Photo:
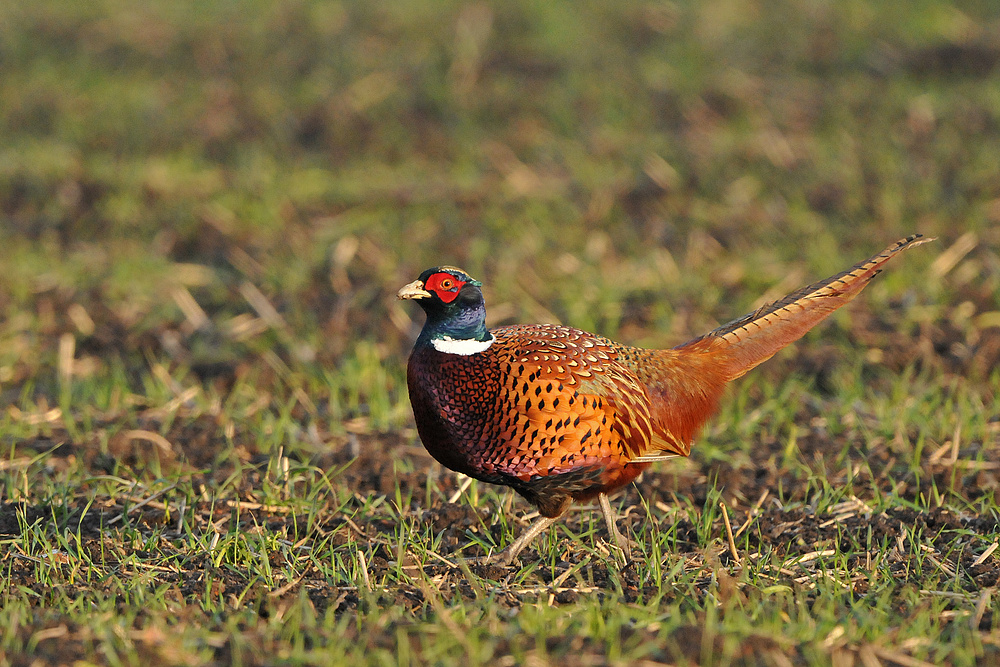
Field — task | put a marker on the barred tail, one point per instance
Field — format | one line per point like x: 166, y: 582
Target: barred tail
x: 750, y: 340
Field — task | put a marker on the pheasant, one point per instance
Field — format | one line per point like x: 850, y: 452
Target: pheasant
x: 561, y: 415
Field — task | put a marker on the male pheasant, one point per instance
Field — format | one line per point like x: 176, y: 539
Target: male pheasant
x: 559, y: 414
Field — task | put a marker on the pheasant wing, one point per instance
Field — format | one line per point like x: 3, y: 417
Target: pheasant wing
x: 572, y: 405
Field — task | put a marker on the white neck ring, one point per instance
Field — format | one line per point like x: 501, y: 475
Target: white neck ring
x: 449, y: 345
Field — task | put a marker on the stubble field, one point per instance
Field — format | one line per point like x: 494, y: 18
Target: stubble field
x: 206, y: 449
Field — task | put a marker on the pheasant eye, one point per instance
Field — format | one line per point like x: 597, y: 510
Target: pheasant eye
x: 446, y: 286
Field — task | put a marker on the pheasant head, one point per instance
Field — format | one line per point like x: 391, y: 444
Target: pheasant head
x: 456, y: 312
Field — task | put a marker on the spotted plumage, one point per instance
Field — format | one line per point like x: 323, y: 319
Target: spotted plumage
x: 561, y: 415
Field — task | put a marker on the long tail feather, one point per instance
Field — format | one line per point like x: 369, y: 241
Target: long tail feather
x: 750, y: 340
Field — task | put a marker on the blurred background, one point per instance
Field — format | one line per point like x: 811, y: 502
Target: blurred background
x: 210, y: 206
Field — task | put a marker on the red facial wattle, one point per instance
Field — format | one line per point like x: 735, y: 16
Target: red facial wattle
x: 445, y: 285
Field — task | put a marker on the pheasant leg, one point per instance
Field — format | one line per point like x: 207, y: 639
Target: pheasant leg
x: 620, y: 540
x: 508, y: 555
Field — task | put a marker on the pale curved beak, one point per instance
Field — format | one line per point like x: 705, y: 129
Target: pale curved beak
x: 414, y: 290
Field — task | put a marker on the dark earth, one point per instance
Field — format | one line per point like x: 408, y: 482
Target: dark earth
x: 776, y: 528
x: 771, y: 507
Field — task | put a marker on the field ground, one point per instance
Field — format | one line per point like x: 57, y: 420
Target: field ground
x: 206, y: 450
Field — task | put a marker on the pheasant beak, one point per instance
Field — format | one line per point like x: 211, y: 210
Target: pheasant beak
x: 414, y: 290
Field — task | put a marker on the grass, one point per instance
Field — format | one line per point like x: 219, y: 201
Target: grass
x: 206, y: 452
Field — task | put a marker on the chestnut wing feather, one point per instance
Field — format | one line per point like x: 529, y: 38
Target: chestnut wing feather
x: 572, y: 404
